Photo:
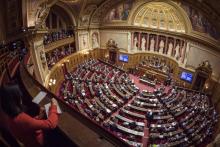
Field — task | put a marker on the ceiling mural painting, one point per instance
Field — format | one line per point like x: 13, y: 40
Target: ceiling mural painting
x: 100, y: 13
x: 120, y: 12
x: 199, y: 22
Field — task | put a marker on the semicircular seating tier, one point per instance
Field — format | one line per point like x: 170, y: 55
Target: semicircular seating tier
x: 168, y: 116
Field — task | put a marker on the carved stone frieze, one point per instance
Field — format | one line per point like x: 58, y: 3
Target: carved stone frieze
x: 103, y: 9
x: 38, y: 11
x: 205, y: 66
x: 111, y: 44
x: 86, y: 15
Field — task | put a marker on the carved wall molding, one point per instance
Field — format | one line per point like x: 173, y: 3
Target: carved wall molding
x: 59, y: 43
x: 37, y: 11
x: 84, y: 19
x: 72, y: 13
x: 198, y: 54
x: 103, y: 9
x: 211, y: 44
x: 191, y: 35
x: 175, y: 5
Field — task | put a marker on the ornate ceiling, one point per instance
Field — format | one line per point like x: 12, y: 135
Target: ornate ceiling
x: 155, y: 14
x: 159, y: 15
x: 212, y: 4
x: 211, y: 7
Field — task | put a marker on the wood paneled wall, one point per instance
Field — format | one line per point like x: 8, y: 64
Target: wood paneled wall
x: 71, y: 63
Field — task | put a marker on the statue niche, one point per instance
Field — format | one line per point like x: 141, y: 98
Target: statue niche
x: 113, y: 50
x: 202, y: 75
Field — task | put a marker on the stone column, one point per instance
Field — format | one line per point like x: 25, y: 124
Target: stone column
x: 132, y: 41
x: 187, y: 49
x: 38, y: 56
x: 139, y: 41
x: 76, y: 40
x: 129, y: 42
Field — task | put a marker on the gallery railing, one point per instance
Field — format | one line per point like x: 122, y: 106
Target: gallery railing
x: 33, y: 87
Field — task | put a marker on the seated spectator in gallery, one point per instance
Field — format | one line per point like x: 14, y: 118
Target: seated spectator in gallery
x: 26, y: 129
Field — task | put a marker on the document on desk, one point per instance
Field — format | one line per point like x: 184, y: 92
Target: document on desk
x: 39, y: 97
x: 47, y: 106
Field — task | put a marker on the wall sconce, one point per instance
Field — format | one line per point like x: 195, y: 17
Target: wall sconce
x: 52, y: 82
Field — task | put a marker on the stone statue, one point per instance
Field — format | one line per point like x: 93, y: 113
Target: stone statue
x: 170, y: 49
x: 83, y: 42
x: 95, y: 43
x: 135, y: 43
x: 143, y: 43
x: 182, y: 54
x: 161, y: 46
x: 152, y: 44
x: 177, y: 53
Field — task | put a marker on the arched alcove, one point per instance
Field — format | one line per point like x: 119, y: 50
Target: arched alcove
x: 160, y: 15
x: 59, y: 18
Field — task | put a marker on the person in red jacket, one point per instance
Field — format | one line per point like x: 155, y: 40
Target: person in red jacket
x: 26, y: 129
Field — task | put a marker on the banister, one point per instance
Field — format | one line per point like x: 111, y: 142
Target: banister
x: 66, y: 108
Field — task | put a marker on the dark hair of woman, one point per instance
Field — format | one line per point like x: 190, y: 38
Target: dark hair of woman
x: 11, y: 102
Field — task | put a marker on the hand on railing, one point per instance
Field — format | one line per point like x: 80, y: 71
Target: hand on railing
x: 54, y: 102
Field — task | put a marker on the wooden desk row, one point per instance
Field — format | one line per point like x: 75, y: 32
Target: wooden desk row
x: 130, y: 131
x: 149, y: 83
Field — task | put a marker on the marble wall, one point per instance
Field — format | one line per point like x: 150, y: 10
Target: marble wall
x: 187, y: 53
x: 120, y: 37
x: 88, y: 39
x: 94, y: 39
x: 198, y: 53
x: 83, y: 38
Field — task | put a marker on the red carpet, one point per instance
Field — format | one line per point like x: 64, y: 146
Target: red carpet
x: 142, y: 86
x: 146, y: 135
